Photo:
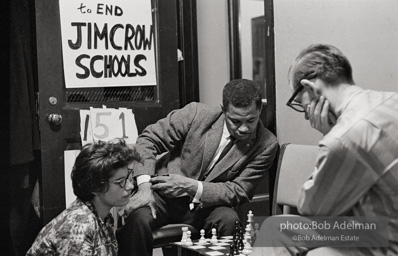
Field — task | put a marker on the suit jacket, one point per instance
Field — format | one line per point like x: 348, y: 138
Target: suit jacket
x: 189, y: 138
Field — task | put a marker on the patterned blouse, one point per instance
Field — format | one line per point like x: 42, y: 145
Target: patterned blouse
x: 78, y: 230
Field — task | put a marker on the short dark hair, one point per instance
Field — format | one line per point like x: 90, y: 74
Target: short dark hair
x: 241, y: 93
x: 96, y: 163
x: 323, y: 61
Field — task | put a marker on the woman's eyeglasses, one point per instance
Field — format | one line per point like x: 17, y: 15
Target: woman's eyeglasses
x: 123, y: 181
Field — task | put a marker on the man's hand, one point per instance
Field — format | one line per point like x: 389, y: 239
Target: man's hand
x: 174, y: 185
x: 319, y: 115
x: 143, y: 197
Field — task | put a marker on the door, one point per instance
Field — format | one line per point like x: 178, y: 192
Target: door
x: 59, y: 107
x: 252, y: 56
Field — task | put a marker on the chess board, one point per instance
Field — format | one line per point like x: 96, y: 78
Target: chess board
x: 212, y: 249
x: 222, y: 246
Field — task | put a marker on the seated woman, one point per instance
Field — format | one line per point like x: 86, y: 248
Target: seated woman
x: 101, y: 179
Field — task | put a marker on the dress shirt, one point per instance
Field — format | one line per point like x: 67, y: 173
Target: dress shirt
x: 357, y: 166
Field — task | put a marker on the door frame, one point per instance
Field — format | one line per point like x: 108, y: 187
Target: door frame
x: 269, y: 115
x: 236, y: 59
x: 175, y: 14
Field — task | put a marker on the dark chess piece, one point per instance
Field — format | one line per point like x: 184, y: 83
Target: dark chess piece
x: 241, y: 245
x: 216, y: 227
x: 236, y: 233
x: 231, y: 250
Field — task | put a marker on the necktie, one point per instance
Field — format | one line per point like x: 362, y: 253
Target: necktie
x: 223, y: 153
x: 226, y: 149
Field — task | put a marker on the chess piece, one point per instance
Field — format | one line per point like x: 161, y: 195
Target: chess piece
x: 247, y: 250
x: 188, y: 241
x: 231, y: 250
x: 248, y: 236
x: 214, y: 239
x: 250, y: 221
x: 236, y: 233
x: 202, y: 240
x: 241, y: 244
x: 256, y: 231
x: 184, y: 234
x: 236, y: 247
x: 216, y: 227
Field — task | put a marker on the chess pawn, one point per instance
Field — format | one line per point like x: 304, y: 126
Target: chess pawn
x: 188, y: 241
x: 202, y: 240
x: 256, y: 231
x: 247, y: 250
x: 184, y: 234
x: 214, y: 239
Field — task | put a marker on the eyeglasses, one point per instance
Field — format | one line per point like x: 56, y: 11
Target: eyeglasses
x: 294, y: 105
x: 123, y: 181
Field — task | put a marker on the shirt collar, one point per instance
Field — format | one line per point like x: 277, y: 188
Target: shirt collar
x: 225, y: 132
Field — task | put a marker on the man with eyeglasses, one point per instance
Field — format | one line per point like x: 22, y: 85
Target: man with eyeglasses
x: 356, y: 173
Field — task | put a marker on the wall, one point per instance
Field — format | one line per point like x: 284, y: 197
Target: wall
x: 365, y: 30
x: 249, y: 9
x: 213, y: 49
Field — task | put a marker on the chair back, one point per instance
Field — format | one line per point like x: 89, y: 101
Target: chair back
x: 295, y: 164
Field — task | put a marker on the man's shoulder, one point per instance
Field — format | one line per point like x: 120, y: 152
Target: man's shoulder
x: 203, y: 112
x: 202, y: 107
x: 265, y: 136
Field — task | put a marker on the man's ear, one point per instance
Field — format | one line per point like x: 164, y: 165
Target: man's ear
x: 311, y: 85
x: 223, y: 109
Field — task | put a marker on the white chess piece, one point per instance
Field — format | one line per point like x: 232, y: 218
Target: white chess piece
x: 184, y: 234
x: 248, y: 236
x: 188, y: 241
x: 214, y: 239
x: 256, y: 229
x: 250, y: 221
x: 202, y: 239
x: 247, y: 250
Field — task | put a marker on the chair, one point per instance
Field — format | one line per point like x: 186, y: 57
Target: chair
x: 295, y: 164
x: 163, y: 236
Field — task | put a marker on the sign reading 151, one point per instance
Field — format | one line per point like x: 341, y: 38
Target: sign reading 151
x: 106, y: 123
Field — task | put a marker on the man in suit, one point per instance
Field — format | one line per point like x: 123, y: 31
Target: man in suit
x: 196, y: 182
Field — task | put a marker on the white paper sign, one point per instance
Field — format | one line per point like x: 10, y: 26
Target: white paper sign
x: 69, y: 160
x: 107, y: 43
x: 106, y: 124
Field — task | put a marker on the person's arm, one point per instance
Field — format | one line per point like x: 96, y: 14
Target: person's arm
x: 163, y: 136
x: 337, y: 184
x: 156, y: 139
x: 241, y: 187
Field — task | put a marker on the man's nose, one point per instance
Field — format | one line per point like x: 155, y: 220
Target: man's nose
x: 243, y: 128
